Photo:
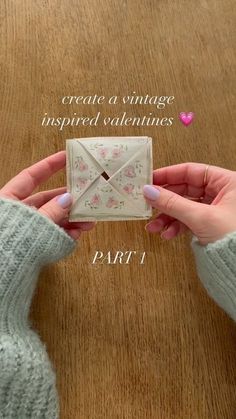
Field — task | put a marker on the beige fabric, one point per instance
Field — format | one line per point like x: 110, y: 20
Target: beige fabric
x: 105, y: 176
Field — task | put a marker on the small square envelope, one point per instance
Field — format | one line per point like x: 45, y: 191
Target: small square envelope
x: 106, y: 175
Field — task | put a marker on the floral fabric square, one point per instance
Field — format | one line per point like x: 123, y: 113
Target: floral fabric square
x: 106, y: 175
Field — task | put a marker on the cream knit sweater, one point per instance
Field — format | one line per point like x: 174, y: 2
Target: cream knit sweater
x: 28, y: 240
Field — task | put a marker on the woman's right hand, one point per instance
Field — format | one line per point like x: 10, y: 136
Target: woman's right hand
x: 175, y: 191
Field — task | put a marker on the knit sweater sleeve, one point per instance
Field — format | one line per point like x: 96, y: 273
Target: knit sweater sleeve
x: 28, y: 241
x: 216, y: 267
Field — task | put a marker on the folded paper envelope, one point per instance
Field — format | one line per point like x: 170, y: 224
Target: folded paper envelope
x: 105, y: 176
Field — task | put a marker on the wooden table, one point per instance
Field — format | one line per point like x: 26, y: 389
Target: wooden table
x: 127, y: 341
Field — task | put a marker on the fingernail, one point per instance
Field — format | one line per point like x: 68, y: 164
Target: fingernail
x: 154, y: 227
x: 65, y: 200
x: 150, y: 192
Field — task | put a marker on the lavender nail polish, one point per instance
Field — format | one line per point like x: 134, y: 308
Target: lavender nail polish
x: 150, y: 192
x: 65, y: 200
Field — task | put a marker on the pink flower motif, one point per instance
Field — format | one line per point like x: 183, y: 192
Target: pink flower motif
x: 103, y: 152
x: 111, y: 202
x: 116, y: 152
x: 81, y: 182
x: 83, y: 166
x: 95, y: 200
x: 129, y: 171
x: 80, y: 164
x: 128, y: 188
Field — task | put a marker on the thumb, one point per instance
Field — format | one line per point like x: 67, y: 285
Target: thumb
x: 174, y: 205
x: 57, y: 208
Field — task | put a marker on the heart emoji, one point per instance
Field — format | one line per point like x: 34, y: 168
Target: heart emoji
x: 186, y: 118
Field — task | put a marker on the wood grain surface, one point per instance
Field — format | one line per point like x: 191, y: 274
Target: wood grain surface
x: 127, y: 341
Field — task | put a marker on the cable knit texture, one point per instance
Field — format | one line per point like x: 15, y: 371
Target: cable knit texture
x: 28, y: 241
x: 216, y: 267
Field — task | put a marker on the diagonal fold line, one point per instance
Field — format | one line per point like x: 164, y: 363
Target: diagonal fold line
x: 99, y: 174
x: 109, y: 181
x: 135, y: 204
x: 128, y: 162
x: 92, y: 157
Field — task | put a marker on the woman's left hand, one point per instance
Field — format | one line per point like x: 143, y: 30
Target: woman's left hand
x: 55, y: 203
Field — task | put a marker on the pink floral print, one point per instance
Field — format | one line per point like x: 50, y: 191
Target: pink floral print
x: 81, y: 182
x: 116, y: 152
x: 128, y: 188
x: 103, y: 152
x: 95, y: 200
x: 111, y: 202
x: 129, y: 171
x: 80, y: 164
